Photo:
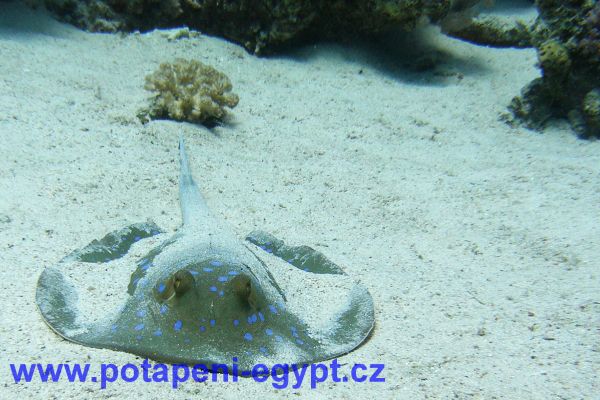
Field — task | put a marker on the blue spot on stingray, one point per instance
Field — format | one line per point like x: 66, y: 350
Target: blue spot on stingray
x: 194, y: 272
x: 269, y: 332
x: 135, y: 281
x: 269, y: 250
x: 164, y: 308
x: 222, y: 279
x: 139, y: 327
x: 161, y: 288
x: 212, y: 322
x: 233, y: 273
x: 206, y: 269
x: 263, y: 350
x: 236, y: 322
x: 299, y: 341
x: 177, y: 325
x: 216, y: 263
x: 145, y: 265
x: 248, y: 336
x: 113, y: 328
x: 278, y: 338
x: 290, y: 260
x: 141, y: 313
x: 137, y: 238
x: 213, y: 288
x: 202, y: 328
x: 158, y: 332
x: 261, y: 316
x: 252, y: 319
x: 272, y: 309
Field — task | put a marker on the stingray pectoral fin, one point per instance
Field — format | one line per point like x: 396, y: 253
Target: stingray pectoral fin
x: 66, y: 292
x: 303, y: 257
x: 355, y: 323
x: 343, y: 319
x: 53, y: 295
x: 55, y: 298
x: 345, y: 315
x: 115, y: 244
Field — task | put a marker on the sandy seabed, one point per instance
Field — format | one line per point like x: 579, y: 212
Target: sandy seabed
x: 478, y: 241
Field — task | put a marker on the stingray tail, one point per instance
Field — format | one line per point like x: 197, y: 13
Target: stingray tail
x: 193, y: 206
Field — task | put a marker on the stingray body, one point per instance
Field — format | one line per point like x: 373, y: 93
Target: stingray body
x: 204, y: 296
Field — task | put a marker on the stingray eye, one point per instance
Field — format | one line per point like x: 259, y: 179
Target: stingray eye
x: 242, y: 287
x: 183, y: 281
x: 176, y: 286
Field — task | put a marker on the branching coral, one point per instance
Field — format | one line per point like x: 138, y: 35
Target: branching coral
x: 188, y: 90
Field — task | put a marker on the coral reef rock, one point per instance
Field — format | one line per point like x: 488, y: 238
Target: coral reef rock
x: 492, y: 31
x: 261, y: 26
x: 567, y: 38
x: 492, y: 23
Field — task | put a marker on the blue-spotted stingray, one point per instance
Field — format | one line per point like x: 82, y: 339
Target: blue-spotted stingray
x: 203, y: 296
